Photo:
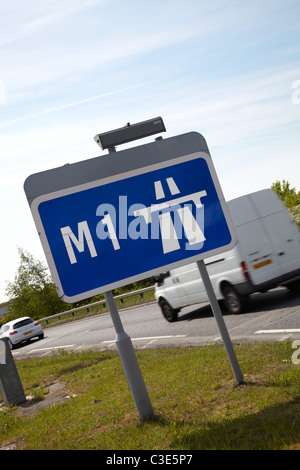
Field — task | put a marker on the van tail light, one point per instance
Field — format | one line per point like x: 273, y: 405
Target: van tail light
x: 13, y: 332
x: 245, y: 270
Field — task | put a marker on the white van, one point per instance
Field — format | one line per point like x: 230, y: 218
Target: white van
x: 266, y: 255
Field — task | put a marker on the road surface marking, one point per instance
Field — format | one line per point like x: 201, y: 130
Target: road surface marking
x: 53, y: 347
x: 149, y: 338
x: 148, y: 344
x: 291, y: 330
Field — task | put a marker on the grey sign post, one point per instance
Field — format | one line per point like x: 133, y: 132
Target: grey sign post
x: 220, y: 322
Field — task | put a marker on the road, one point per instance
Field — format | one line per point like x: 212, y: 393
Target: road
x: 273, y: 316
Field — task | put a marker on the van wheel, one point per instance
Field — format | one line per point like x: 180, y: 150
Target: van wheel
x: 168, y: 312
x: 234, y: 302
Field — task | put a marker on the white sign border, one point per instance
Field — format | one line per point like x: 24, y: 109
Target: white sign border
x: 110, y: 179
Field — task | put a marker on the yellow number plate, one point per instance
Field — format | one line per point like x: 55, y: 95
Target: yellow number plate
x: 262, y: 264
x: 27, y: 332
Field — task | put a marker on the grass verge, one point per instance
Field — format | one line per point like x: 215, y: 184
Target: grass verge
x: 197, y: 403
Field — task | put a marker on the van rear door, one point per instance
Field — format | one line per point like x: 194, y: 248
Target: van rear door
x: 257, y: 252
x: 282, y: 231
x: 254, y: 242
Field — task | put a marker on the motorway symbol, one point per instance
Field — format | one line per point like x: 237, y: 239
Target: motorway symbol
x: 191, y: 227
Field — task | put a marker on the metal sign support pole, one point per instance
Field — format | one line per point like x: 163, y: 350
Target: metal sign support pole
x: 130, y: 363
x: 220, y: 321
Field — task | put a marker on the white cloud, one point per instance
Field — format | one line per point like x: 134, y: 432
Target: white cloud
x: 59, y: 42
x: 20, y: 20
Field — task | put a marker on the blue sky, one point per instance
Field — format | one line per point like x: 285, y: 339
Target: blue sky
x: 72, y: 68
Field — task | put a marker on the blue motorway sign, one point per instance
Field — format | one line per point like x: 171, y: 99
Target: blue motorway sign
x: 113, y: 231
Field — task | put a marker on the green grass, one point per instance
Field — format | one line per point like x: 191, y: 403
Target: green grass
x: 197, y: 402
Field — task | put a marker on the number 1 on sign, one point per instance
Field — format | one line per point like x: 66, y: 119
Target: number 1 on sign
x: 111, y: 230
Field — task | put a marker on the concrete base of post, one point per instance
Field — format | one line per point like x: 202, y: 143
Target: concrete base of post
x: 130, y: 363
x: 11, y: 388
x: 134, y: 377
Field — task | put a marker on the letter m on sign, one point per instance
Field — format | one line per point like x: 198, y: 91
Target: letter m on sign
x: 83, y: 233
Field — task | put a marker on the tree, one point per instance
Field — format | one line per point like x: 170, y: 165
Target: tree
x: 288, y: 195
x: 295, y: 213
x: 32, y: 293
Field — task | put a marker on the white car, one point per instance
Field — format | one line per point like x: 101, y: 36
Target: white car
x: 21, y: 329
